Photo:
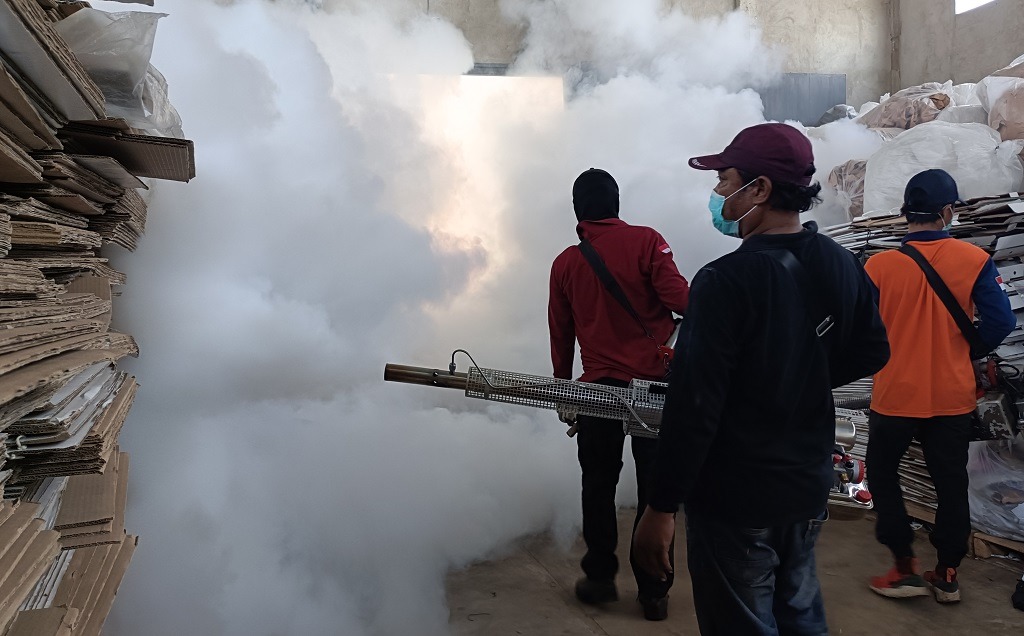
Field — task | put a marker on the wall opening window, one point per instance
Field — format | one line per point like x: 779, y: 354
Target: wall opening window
x: 966, y: 5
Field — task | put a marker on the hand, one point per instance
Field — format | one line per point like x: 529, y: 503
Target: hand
x: 651, y: 542
x: 566, y: 416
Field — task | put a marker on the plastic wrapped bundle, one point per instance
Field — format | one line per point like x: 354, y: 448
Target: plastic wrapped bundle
x: 837, y: 112
x: 996, y: 491
x: 115, y: 49
x: 1007, y: 114
x: 973, y: 154
x: 887, y: 134
x: 964, y: 115
x: 964, y: 95
x: 847, y: 180
x: 909, y: 107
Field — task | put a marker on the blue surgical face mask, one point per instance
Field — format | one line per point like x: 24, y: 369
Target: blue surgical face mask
x: 716, y: 204
x: 952, y: 219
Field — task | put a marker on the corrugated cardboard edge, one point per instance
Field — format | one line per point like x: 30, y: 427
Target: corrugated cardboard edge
x: 92, y: 579
x: 19, y: 103
x: 13, y: 361
x: 52, y: 621
x: 143, y: 155
x: 115, y: 533
x: 92, y: 284
x: 25, y: 379
x: 105, y: 599
x: 89, y: 499
x: 20, y: 576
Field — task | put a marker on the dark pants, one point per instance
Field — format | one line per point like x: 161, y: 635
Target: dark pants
x: 754, y: 581
x: 945, y: 441
x: 600, y: 443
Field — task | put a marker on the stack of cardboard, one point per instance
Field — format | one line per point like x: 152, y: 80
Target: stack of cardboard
x: 27, y: 550
x: 69, y: 185
x: 77, y: 592
x: 93, y: 512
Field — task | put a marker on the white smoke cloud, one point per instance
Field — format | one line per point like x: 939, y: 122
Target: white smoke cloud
x: 357, y: 202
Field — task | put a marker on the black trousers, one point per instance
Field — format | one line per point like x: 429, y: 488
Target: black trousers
x: 945, y: 441
x: 599, y: 443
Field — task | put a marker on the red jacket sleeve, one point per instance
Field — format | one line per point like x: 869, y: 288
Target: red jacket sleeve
x: 669, y: 284
x: 560, y: 327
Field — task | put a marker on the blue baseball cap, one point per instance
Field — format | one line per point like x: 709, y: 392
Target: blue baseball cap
x: 929, y: 191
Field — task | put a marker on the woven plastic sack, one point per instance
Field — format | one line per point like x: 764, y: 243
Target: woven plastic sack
x: 991, y: 88
x: 973, y: 154
x: 996, y: 492
x: 909, y: 107
x: 1013, y: 69
x: 1007, y: 114
x: 847, y: 179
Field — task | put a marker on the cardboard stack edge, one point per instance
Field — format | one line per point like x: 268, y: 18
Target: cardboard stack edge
x: 70, y: 184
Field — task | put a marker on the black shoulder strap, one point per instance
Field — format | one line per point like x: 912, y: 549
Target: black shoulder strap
x: 799, y: 274
x: 960, y: 317
x: 609, y: 282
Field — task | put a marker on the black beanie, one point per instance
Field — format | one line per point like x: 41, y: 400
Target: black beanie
x: 595, y: 196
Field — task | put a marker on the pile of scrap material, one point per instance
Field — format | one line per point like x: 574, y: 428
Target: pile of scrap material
x: 995, y: 224
x: 69, y: 186
x: 973, y: 131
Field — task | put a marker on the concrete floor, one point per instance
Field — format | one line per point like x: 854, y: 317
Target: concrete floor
x: 530, y: 592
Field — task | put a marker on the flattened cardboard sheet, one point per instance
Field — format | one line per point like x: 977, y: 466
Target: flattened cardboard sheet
x: 27, y: 378
x: 17, y: 103
x: 52, y: 621
x: 42, y: 594
x: 110, y: 169
x: 92, y: 499
x: 104, y: 600
x: 33, y: 46
x: 98, y: 286
x: 143, y: 155
x: 13, y: 361
x: 58, y: 197
x: 16, y: 166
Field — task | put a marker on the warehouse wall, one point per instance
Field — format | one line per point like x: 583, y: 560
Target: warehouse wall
x: 839, y: 36
x: 937, y: 45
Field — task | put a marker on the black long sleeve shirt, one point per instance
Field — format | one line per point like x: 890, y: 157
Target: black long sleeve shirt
x: 749, y: 422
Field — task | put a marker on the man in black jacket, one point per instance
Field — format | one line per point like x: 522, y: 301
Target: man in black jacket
x: 749, y: 424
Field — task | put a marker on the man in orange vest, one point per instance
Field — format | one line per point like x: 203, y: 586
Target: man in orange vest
x: 927, y: 390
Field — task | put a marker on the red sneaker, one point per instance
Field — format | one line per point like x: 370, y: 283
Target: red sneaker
x: 899, y: 583
x: 943, y: 582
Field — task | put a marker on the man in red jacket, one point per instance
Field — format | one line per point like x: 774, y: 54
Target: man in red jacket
x: 614, y: 349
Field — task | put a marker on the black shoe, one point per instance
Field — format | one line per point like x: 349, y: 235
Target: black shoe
x: 596, y: 591
x: 1017, y: 598
x: 655, y: 609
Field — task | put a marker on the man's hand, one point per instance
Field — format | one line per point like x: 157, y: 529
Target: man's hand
x: 567, y: 416
x: 651, y: 542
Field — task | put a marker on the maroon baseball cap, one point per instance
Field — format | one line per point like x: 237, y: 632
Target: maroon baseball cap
x: 777, y: 151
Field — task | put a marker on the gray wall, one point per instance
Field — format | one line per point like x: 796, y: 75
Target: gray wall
x: 937, y: 45
x: 851, y: 37
x: 831, y: 36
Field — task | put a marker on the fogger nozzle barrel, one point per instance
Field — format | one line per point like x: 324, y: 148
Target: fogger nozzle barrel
x: 425, y: 376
